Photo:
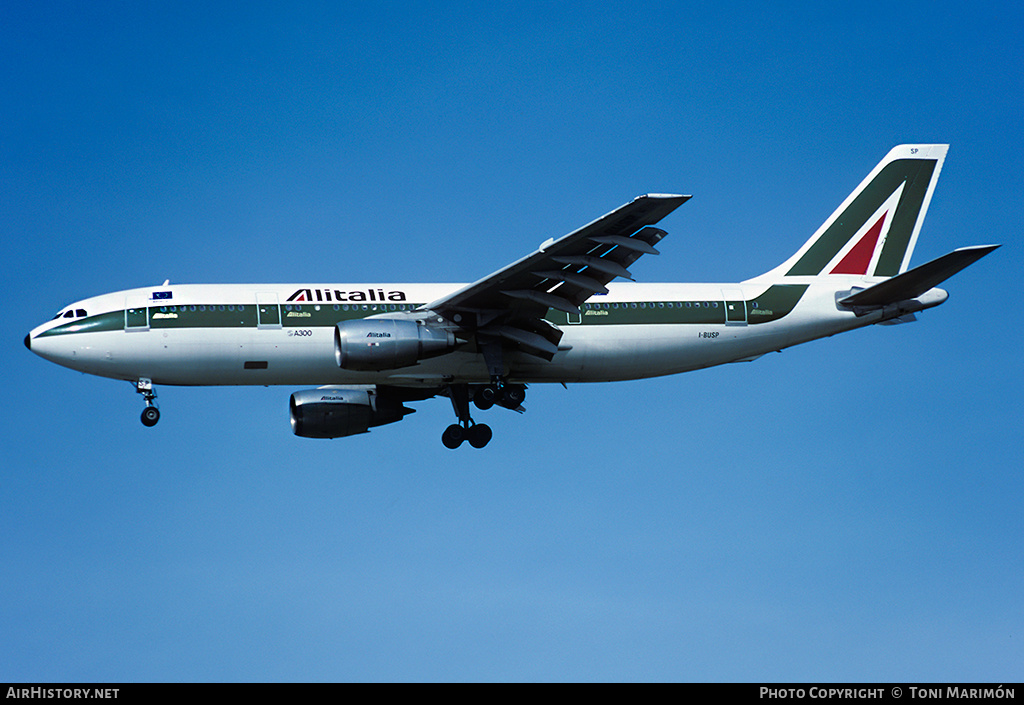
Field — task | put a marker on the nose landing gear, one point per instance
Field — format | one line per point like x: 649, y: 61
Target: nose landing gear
x: 151, y: 414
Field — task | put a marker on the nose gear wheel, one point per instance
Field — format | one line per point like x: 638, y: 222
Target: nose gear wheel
x: 151, y: 414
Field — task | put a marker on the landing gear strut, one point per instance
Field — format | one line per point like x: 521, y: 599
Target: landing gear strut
x: 151, y: 414
x: 478, y: 434
x: 485, y: 396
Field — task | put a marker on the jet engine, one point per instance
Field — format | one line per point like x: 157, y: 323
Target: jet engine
x: 388, y: 343
x: 333, y: 412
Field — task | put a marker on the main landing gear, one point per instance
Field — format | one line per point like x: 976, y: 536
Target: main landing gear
x: 510, y: 396
x: 151, y: 414
x: 478, y: 435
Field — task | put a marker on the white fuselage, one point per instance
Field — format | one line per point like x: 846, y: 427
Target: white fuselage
x: 235, y: 334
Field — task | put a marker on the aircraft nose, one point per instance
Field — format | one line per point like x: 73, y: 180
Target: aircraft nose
x: 28, y: 341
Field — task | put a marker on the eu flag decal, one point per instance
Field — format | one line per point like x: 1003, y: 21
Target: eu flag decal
x: 158, y: 295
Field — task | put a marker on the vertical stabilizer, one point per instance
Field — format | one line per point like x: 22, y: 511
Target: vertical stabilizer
x: 873, y: 232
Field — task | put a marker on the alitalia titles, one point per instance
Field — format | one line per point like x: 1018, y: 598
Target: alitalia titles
x: 302, y: 295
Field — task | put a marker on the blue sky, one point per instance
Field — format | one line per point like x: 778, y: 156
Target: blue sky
x: 845, y: 510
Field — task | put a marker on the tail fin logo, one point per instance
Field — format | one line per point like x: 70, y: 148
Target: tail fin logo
x: 862, y: 252
x: 873, y: 232
x: 859, y: 257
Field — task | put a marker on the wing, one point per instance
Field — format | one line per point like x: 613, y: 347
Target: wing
x: 506, y: 310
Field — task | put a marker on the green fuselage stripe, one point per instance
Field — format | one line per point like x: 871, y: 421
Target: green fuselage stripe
x: 773, y: 304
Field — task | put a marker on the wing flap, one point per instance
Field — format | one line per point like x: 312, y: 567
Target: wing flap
x: 578, y: 280
x: 545, y: 299
x: 636, y: 243
x: 529, y: 339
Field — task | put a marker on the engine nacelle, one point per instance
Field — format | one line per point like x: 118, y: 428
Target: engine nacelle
x: 388, y: 343
x: 333, y: 412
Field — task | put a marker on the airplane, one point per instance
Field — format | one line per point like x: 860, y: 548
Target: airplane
x: 553, y: 316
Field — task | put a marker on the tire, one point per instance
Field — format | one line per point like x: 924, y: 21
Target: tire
x: 150, y: 415
x: 485, y: 397
x: 515, y: 394
x: 480, y: 435
x: 453, y: 436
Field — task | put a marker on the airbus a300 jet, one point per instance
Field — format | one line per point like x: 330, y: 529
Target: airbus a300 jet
x: 556, y: 316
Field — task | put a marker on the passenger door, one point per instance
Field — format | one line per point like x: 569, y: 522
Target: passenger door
x: 136, y: 313
x: 735, y: 307
x: 268, y: 311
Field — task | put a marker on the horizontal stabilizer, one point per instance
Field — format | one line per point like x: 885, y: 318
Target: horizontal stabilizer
x: 918, y: 280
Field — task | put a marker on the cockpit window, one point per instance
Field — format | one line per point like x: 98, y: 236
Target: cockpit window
x: 71, y: 313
